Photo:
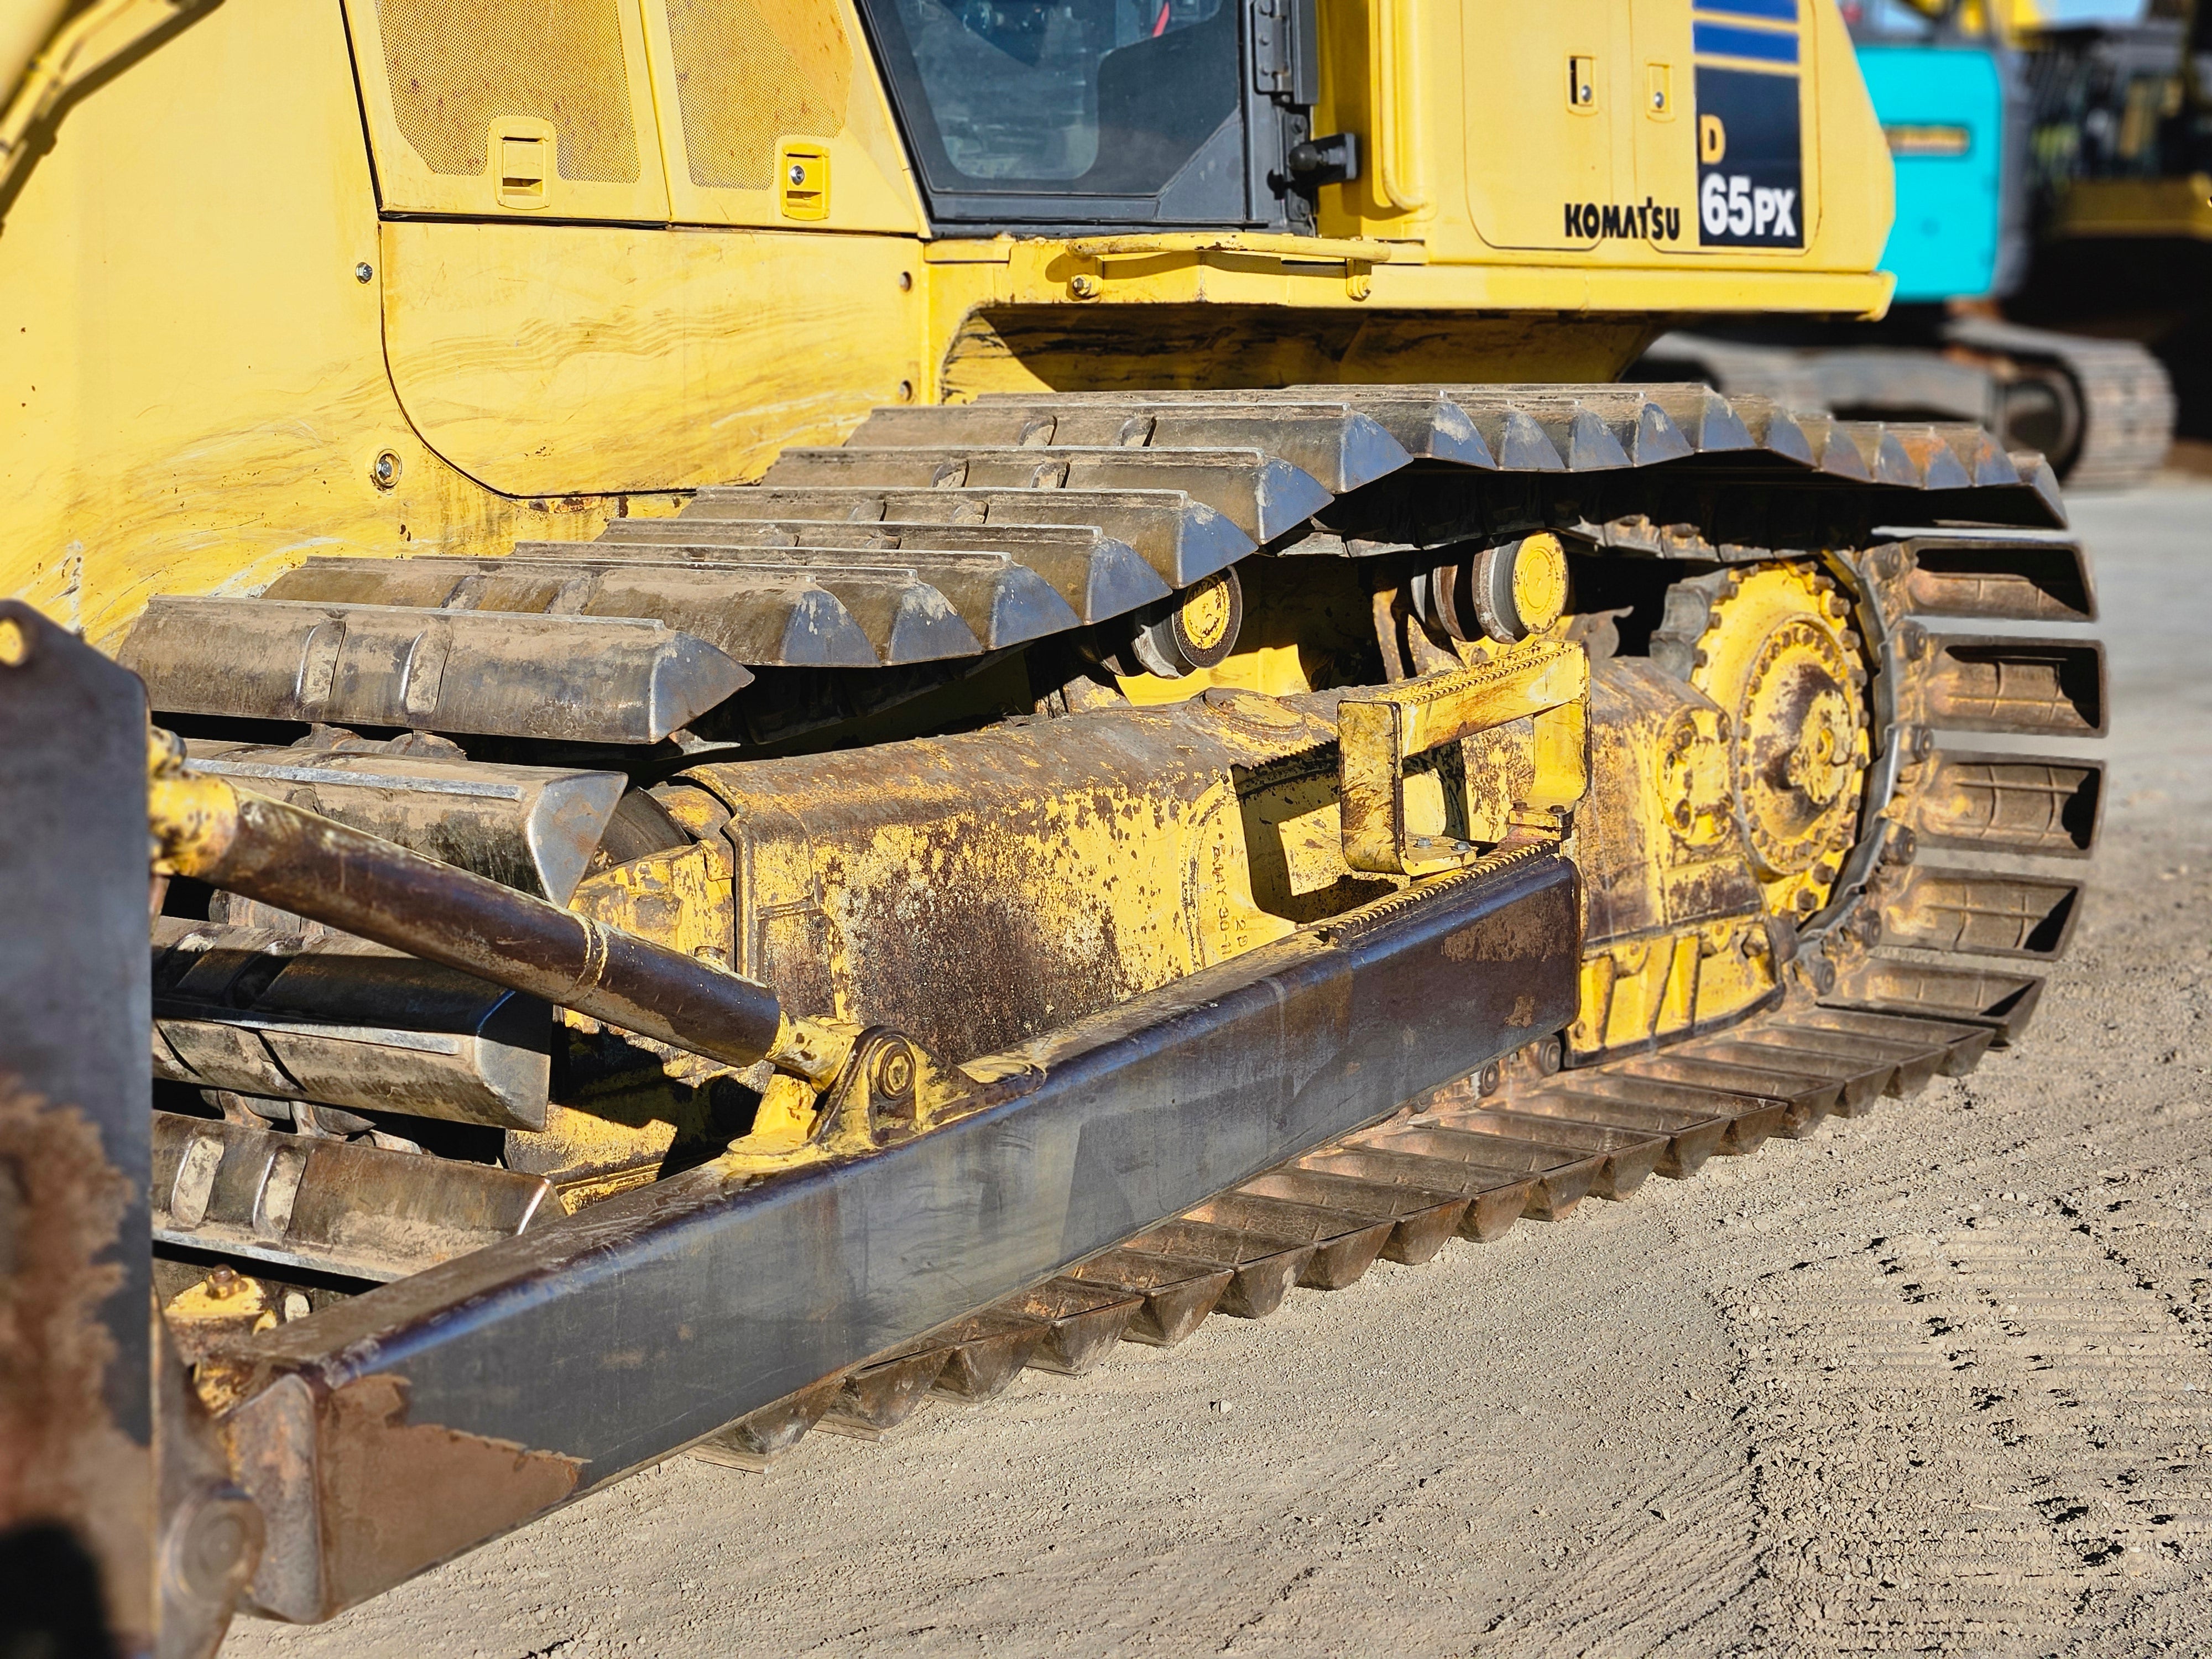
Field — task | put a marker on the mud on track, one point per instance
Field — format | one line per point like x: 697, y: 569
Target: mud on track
x: 1936, y: 1380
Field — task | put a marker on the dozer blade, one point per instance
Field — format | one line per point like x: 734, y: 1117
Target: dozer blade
x: 80, y: 1510
x: 464, y: 1389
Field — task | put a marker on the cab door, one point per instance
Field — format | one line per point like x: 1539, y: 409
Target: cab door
x: 509, y: 108
x: 599, y: 275
x: 771, y: 115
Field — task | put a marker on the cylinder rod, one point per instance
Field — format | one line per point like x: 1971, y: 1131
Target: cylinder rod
x: 266, y: 850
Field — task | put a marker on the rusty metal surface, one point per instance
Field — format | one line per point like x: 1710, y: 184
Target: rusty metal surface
x: 2050, y: 688
x: 211, y: 1533
x: 2009, y: 803
x: 713, y: 1297
x: 282, y: 856
x: 1967, y: 575
x: 334, y: 1465
x: 977, y: 889
x: 76, y: 1278
x: 1943, y: 939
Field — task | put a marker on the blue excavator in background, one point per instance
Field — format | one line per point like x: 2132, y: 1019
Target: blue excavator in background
x: 1950, y: 81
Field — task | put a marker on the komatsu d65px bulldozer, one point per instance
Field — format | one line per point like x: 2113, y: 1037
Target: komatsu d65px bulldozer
x: 849, y: 694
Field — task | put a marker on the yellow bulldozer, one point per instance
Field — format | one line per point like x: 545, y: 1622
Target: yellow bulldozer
x: 827, y: 698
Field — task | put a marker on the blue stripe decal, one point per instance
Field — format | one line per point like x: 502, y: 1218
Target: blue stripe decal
x: 1713, y: 40
x: 1782, y: 11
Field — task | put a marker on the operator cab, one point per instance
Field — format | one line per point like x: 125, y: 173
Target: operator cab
x: 1022, y: 113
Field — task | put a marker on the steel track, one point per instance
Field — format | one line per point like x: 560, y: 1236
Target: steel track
x: 1915, y: 970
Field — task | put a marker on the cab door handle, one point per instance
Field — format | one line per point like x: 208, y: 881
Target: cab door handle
x: 522, y: 157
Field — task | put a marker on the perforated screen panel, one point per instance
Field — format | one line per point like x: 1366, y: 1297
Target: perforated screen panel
x: 749, y: 72
x: 456, y: 66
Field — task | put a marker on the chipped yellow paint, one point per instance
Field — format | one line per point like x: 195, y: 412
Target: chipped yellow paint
x: 1382, y: 728
x: 1675, y: 932
x: 226, y: 1298
x: 680, y: 899
x: 1273, y: 671
x: 1635, y: 991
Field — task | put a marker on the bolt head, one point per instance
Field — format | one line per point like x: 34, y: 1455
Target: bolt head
x: 895, y: 1071
x: 363, y: 271
x: 211, y: 1545
x: 797, y: 174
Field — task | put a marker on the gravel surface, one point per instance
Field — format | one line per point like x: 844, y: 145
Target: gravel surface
x: 1937, y: 1380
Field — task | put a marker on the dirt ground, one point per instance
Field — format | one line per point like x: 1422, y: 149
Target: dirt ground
x: 1939, y: 1380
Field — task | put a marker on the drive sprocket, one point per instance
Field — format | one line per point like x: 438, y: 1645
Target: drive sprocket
x: 1774, y: 645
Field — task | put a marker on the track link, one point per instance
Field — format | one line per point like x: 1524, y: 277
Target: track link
x: 938, y: 535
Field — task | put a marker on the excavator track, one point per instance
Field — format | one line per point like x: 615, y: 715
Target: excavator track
x: 574, y: 709
x: 2103, y: 409
x: 2128, y: 409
